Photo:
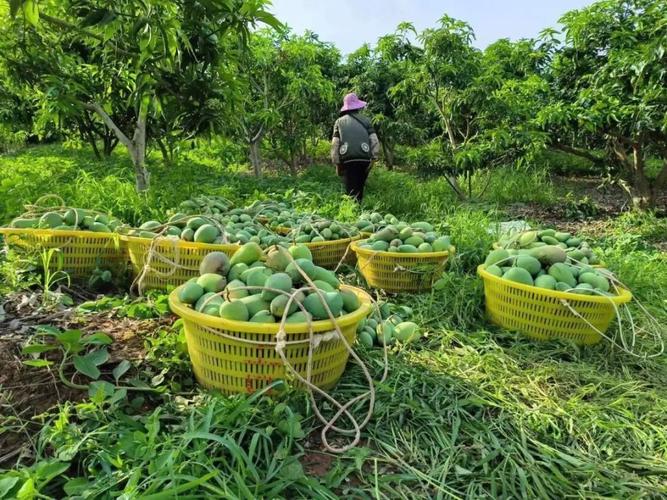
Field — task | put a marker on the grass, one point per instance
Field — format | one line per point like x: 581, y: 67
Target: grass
x: 471, y: 411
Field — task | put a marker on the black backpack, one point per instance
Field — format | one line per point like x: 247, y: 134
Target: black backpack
x: 355, y: 141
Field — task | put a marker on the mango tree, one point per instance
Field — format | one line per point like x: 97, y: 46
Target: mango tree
x: 135, y: 49
x: 612, y: 83
x: 286, y: 91
x: 442, y: 77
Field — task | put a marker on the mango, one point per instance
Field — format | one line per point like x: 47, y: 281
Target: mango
x: 236, y: 289
x: 206, y: 233
x: 406, y: 332
x: 327, y: 276
x: 209, y: 299
x: 212, y: 282
x: 365, y: 339
x: 306, y: 266
x: 299, y: 317
x: 188, y: 234
x: 279, y: 304
x: 278, y: 281
x: 549, y: 254
x: 497, y: 257
x: 300, y: 252
x: 518, y: 275
x: 215, y: 262
x: 236, y: 271
x: 234, y: 311
x: 196, y: 222
x: 278, y: 258
x: 98, y: 227
x: 150, y: 225
x: 190, y: 293
x: 441, y: 244
x: 256, y: 277
x: 25, y: 223
x: 350, y: 301
x: 263, y: 317
x: 254, y: 303
x: 50, y: 220
x: 495, y: 270
x: 563, y: 274
x: 530, y: 264
x: 546, y: 281
x: 247, y: 254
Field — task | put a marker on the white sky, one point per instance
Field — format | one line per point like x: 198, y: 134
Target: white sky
x: 350, y: 23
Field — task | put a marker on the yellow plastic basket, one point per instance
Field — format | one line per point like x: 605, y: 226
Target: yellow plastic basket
x: 544, y: 314
x: 82, y: 251
x: 220, y: 361
x: 173, y: 261
x: 400, y: 272
x: 329, y: 254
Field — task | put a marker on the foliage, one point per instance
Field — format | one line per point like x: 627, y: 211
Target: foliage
x: 131, y: 64
x: 610, y: 81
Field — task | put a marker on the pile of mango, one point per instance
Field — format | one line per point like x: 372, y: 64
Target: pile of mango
x: 548, y: 267
x: 387, y: 324
x: 256, y: 287
x: 374, y: 221
x: 200, y: 229
x: 407, y: 238
x: 577, y: 249
x: 203, y: 204
x: 70, y: 219
x: 321, y: 230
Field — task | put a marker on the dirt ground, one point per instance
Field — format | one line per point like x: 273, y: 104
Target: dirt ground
x: 27, y: 392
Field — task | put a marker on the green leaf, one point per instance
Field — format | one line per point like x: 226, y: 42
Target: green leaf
x: 77, y: 486
x: 98, y: 338
x: 31, y: 12
x: 38, y: 348
x: 48, y: 330
x: 121, y: 369
x: 98, y: 356
x: 38, y: 363
x: 27, y: 491
x: 6, y: 485
x: 101, y: 390
x: 87, y: 367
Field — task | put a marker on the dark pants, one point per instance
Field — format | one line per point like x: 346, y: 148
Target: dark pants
x: 355, y: 174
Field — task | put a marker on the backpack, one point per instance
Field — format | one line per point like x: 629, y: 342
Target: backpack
x: 354, y: 139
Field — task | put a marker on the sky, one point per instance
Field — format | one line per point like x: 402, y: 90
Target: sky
x: 350, y: 24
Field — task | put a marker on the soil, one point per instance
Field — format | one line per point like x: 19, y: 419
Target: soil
x: 27, y: 392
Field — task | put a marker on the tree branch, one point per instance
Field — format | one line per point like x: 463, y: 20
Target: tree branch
x: 93, y: 106
x: 577, y: 152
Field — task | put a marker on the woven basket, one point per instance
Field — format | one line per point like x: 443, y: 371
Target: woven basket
x: 173, y: 263
x: 543, y: 314
x: 82, y: 251
x: 400, y: 272
x: 224, y: 357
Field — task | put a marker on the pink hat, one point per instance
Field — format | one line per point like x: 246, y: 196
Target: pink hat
x: 352, y: 102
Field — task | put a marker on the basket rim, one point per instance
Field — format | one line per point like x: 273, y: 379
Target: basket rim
x: 188, y: 314
x: 181, y: 243
x: 624, y: 296
x: 58, y: 232
x: 398, y: 256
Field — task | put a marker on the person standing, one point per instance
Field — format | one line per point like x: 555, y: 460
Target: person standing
x: 354, y: 146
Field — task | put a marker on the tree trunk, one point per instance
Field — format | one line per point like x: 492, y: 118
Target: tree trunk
x: 163, y: 150
x: 255, y: 158
x: 136, y: 146
x: 388, y: 153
